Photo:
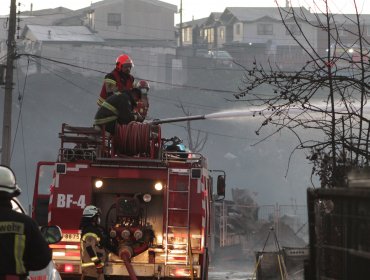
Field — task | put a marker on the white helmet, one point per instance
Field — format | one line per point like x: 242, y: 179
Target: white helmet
x: 8, y: 185
x: 90, y: 211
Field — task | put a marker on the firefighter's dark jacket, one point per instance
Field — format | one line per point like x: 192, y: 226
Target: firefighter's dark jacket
x: 119, y: 80
x: 116, y: 108
x: 22, y: 246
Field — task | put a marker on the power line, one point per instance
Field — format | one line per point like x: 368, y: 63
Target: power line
x: 63, y: 78
x: 60, y: 62
x: 95, y: 70
x: 20, y: 121
x: 204, y: 131
x: 60, y: 75
x: 167, y: 65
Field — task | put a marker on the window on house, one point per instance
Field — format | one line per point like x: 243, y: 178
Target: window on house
x: 114, y: 19
x: 222, y: 33
x: 186, y: 34
x: 265, y: 29
x: 210, y: 37
x: 294, y: 29
x: 237, y: 29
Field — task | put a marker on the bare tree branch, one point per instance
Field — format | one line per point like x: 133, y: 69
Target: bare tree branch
x: 326, y: 95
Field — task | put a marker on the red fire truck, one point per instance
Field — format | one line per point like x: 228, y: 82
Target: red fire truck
x: 155, y: 199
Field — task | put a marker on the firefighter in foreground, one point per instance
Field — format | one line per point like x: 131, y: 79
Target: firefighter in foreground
x: 120, y: 79
x: 22, y: 246
x: 93, y: 244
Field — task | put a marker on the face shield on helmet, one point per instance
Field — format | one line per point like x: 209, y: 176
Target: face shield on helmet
x: 124, y: 63
x: 8, y: 185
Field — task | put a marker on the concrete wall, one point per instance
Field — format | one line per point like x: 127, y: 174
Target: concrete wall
x: 139, y: 20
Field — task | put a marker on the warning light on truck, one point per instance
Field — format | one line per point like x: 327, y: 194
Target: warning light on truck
x: 158, y: 186
x: 98, y: 184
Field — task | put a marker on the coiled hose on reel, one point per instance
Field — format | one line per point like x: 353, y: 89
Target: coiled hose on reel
x: 137, y: 139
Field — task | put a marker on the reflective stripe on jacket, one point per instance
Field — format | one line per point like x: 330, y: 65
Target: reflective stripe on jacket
x: 91, y: 252
x: 117, y: 108
x: 22, y: 246
x: 110, y: 108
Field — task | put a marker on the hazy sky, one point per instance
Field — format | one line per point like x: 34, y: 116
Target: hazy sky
x: 196, y: 8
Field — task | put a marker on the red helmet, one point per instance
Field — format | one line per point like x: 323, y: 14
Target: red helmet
x: 142, y: 85
x: 123, y: 59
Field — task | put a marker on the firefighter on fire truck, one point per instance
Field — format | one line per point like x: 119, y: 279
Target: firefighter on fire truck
x: 93, y: 244
x: 117, y: 109
x: 141, y: 89
x: 119, y: 79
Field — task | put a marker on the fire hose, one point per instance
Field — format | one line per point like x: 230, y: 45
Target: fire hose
x: 126, y: 252
x: 125, y: 255
x: 133, y: 138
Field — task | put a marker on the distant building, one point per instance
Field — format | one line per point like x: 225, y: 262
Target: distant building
x: 249, y: 33
x: 41, y: 17
x: 68, y: 42
x: 347, y: 32
x: 129, y: 21
x: 145, y: 30
x: 191, y: 35
x: 256, y: 33
x: 94, y: 36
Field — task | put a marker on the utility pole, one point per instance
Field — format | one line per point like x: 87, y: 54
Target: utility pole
x: 7, y: 118
x: 180, y: 24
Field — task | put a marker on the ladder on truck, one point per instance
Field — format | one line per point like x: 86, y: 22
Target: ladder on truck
x: 177, y: 238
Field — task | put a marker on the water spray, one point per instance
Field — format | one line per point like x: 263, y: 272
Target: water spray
x: 251, y: 112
